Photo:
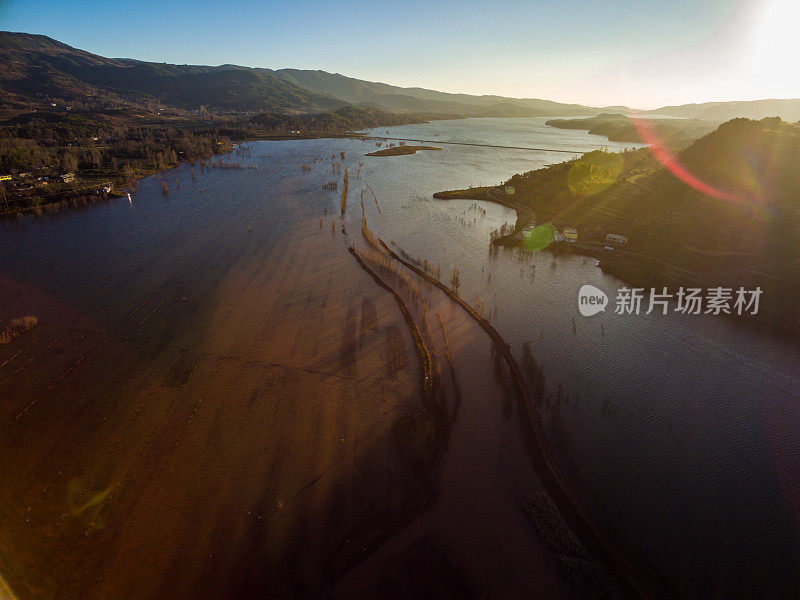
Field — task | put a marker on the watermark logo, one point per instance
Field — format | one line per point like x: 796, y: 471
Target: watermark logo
x: 688, y: 301
x: 591, y: 300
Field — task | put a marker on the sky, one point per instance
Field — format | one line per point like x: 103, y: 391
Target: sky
x: 638, y: 53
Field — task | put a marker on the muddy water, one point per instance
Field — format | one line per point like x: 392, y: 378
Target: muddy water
x: 218, y: 402
x: 681, y: 433
x: 215, y: 363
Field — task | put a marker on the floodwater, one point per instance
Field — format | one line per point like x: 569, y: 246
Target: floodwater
x: 680, y: 433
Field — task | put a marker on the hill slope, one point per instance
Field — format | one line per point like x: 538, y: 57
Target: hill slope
x: 674, y: 133
x: 37, y: 68
x: 390, y: 97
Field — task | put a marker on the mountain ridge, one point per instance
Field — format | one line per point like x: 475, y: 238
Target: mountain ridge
x: 35, y: 67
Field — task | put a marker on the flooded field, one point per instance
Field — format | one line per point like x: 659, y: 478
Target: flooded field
x: 217, y: 398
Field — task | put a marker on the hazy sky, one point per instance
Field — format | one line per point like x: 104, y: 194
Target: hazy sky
x: 640, y: 53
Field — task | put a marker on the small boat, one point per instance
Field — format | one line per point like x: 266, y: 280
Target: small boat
x: 129, y: 197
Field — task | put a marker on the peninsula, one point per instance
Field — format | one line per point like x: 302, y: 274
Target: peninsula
x: 657, y: 219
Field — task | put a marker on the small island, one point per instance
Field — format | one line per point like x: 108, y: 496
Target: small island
x: 400, y: 150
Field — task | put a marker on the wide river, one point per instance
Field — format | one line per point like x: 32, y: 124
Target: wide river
x: 680, y: 433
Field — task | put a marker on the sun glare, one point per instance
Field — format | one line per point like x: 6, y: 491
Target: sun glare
x: 777, y: 44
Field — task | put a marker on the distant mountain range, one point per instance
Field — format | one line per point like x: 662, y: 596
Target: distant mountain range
x: 35, y: 69
x: 788, y: 110
x: 390, y: 97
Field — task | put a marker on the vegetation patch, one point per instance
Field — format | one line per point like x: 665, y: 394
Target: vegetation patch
x: 400, y: 150
x: 16, y: 328
x: 551, y: 527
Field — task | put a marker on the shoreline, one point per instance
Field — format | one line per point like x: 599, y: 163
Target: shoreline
x: 73, y: 200
x: 626, y: 266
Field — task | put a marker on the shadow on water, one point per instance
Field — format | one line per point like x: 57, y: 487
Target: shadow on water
x: 331, y: 527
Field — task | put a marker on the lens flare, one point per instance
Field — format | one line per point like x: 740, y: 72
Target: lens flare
x: 86, y: 504
x: 670, y: 162
x: 594, y: 172
x: 5, y: 590
x: 539, y: 237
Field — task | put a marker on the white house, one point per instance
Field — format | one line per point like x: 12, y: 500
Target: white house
x: 613, y: 237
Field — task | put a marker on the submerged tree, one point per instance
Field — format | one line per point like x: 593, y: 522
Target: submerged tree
x: 454, y: 280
